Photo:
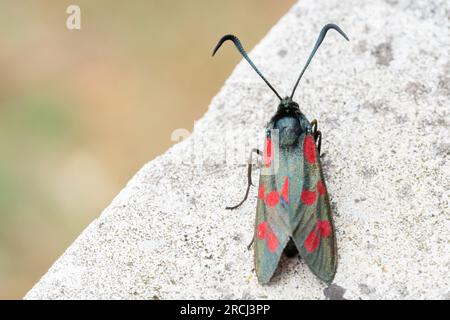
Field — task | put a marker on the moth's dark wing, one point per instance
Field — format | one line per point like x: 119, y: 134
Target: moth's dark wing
x: 271, y: 233
x: 314, y: 233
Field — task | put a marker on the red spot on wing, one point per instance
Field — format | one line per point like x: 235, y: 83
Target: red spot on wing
x: 285, y: 190
x: 272, y: 242
x: 321, y: 188
x: 324, y: 228
x: 261, y: 230
x: 268, y: 152
x: 261, y: 191
x: 272, y: 199
x: 308, y: 197
x: 312, y: 241
x: 309, y: 149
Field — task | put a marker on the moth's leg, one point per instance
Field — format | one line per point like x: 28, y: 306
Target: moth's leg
x: 319, y: 139
x: 249, y: 173
x: 314, y: 127
x: 249, y: 177
x: 316, y: 134
x: 250, y: 244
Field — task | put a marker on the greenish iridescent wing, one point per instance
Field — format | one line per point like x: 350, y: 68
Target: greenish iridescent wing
x: 271, y: 230
x: 313, y: 231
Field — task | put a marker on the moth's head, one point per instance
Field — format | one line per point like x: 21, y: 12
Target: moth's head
x: 286, y: 121
x: 288, y: 104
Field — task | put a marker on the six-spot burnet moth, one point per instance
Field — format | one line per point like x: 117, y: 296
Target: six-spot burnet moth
x: 293, y: 213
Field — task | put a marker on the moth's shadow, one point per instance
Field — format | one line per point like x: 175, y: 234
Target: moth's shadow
x: 287, y: 267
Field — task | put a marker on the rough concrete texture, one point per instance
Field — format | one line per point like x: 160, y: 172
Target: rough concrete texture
x: 383, y: 104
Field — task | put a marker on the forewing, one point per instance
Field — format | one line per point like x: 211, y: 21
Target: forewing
x: 271, y: 231
x: 314, y: 233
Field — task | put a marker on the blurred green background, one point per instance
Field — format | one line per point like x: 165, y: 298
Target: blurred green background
x: 82, y: 110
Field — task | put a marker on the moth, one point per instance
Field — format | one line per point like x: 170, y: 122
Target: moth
x: 293, y: 214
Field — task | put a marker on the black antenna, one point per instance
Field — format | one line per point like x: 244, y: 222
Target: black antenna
x: 238, y: 45
x: 322, y: 34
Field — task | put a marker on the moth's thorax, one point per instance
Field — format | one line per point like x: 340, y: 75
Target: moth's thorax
x: 290, y: 122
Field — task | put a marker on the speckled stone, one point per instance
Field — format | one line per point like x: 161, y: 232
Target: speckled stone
x: 383, y: 105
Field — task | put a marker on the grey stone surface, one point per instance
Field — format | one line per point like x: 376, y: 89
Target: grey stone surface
x: 383, y: 104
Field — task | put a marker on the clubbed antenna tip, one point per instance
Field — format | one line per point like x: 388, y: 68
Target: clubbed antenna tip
x: 238, y: 45
x: 322, y: 35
